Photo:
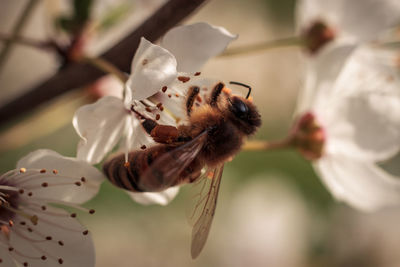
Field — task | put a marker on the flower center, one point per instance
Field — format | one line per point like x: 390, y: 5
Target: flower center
x: 317, y: 35
x: 309, y: 137
x: 26, y: 214
x: 8, y: 202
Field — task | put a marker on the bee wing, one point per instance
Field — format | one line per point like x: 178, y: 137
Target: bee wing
x: 199, y: 193
x: 205, y: 208
x: 166, y: 168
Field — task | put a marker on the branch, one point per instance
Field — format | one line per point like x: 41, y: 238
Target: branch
x: 80, y: 74
x: 39, y: 44
x: 16, y: 30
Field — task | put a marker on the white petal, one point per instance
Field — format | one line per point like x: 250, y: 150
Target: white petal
x: 165, y: 117
x: 77, y: 249
x: 6, y: 257
x: 152, y: 68
x: 174, y: 109
x: 100, y: 126
x: 61, y: 174
x: 161, y: 198
x: 361, y: 107
x: 136, y: 136
x: 51, y: 160
x: 194, y: 44
x: 360, y: 184
x: 321, y: 74
x: 362, y: 19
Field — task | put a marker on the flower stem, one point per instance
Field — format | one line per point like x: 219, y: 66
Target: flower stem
x: 107, y: 67
x: 16, y: 30
x: 25, y: 41
x: 99, y: 63
x: 285, y: 42
x: 264, y: 145
x: 391, y: 45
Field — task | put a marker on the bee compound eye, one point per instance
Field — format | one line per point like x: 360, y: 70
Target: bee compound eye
x: 240, y: 109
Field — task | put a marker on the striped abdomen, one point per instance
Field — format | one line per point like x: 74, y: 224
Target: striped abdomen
x: 130, y: 175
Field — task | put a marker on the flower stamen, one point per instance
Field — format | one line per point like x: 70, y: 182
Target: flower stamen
x: 32, y: 218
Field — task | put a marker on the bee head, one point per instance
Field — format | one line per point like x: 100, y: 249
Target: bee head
x: 244, y: 114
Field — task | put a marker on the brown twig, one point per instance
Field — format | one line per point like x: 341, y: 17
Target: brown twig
x: 30, y: 6
x: 264, y: 145
x: 79, y: 74
x: 39, y: 44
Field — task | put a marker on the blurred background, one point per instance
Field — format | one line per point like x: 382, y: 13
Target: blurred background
x: 272, y: 210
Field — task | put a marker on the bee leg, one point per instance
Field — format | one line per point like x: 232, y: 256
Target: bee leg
x: 147, y: 123
x: 164, y: 134
x: 193, y: 92
x: 215, y: 93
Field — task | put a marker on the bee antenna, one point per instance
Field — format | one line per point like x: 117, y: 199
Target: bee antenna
x: 244, y: 85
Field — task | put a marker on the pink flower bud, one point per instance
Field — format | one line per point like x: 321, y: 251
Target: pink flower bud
x: 308, y: 137
x: 317, y: 35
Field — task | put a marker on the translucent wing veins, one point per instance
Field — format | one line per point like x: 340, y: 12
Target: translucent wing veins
x: 201, y: 229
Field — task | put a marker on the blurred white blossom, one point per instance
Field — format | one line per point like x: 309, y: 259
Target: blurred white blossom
x: 154, y: 71
x: 34, y: 232
x: 356, y: 20
x: 354, y: 100
x: 269, y: 226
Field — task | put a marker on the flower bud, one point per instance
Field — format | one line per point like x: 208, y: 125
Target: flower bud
x: 317, y: 35
x: 308, y: 137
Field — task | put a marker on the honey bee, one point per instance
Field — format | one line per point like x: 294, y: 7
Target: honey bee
x: 214, y: 133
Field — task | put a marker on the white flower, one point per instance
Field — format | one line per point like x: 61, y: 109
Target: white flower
x: 154, y: 73
x: 322, y: 21
x: 359, y: 20
x: 354, y: 99
x: 34, y: 232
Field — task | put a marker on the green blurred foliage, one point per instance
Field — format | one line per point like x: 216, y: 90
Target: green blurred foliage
x: 115, y: 15
x: 282, y: 11
x: 80, y: 15
x: 82, y: 9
